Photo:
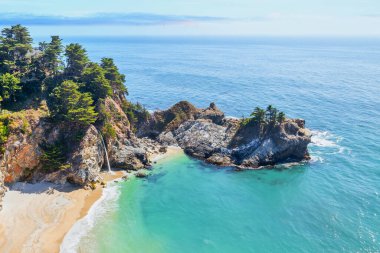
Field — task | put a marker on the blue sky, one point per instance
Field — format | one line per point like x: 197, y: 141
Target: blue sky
x: 195, y: 17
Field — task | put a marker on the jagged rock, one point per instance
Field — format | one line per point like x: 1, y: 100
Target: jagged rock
x: 22, y: 151
x: 141, y: 174
x: 129, y: 157
x: 203, y: 133
x: 226, y: 142
x: 171, y: 119
x: 285, y: 142
x: 212, y: 112
x: 163, y: 149
x: 219, y: 159
x: 86, y: 161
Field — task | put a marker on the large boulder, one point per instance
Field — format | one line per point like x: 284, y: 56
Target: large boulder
x: 129, y: 155
x: 85, y: 161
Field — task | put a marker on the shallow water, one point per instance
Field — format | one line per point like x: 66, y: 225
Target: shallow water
x: 331, y: 204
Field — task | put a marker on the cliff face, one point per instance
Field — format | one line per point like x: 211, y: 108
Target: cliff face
x: 39, y: 149
x: 2, y: 188
x: 208, y: 135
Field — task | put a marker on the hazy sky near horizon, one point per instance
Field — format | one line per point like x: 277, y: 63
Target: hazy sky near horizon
x: 195, y: 17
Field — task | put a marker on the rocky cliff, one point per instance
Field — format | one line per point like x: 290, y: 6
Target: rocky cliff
x: 2, y: 188
x: 207, y: 134
x: 38, y: 149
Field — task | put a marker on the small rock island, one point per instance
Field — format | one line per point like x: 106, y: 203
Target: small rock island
x: 63, y: 118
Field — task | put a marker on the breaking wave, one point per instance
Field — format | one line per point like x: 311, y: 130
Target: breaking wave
x: 324, y: 142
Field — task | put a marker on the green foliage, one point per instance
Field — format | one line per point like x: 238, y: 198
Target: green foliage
x: 108, y: 131
x: 15, y: 44
x: 258, y: 115
x: 112, y: 74
x: 4, y: 133
x: 64, y: 76
x: 68, y: 103
x: 281, y: 117
x: 270, y: 116
x: 136, y: 113
x: 25, y: 125
x: 76, y: 61
x: 95, y: 81
x: 53, y: 156
x: 50, y: 61
x: 9, y: 86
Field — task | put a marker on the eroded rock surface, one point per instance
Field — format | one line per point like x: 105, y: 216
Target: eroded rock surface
x: 208, y: 135
x: 203, y: 133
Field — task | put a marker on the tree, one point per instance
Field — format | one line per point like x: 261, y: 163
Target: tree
x: 271, y: 114
x: 95, y: 81
x: 15, y: 44
x: 112, y: 74
x: 9, y: 86
x: 76, y: 61
x: 68, y: 103
x: 51, y: 58
x: 281, y: 117
x: 258, y: 115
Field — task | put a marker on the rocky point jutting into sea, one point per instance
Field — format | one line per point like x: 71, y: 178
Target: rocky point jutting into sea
x: 64, y: 117
x: 203, y: 133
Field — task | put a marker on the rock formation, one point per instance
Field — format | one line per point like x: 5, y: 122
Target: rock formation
x: 208, y: 135
x: 2, y: 188
x: 203, y: 133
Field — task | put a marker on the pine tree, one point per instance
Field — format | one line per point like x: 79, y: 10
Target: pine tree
x: 281, y: 117
x: 15, y: 44
x: 9, y: 86
x: 69, y: 104
x: 76, y: 61
x: 112, y: 73
x: 95, y: 82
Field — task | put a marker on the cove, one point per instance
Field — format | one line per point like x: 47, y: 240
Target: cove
x: 188, y: 206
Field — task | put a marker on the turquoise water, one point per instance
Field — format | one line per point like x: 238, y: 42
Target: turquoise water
x: 331, y: 204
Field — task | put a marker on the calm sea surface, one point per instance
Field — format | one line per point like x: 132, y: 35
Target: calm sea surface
x: 331, y: 204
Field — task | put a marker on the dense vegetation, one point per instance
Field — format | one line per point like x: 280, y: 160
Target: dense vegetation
x: 63, y: 75
x: 74, y: 88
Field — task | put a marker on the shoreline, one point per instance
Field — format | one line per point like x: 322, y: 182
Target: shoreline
x: 32, y: 220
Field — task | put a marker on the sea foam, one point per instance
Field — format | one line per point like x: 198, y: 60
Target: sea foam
x: 81, y: 228
x: 324, y: 142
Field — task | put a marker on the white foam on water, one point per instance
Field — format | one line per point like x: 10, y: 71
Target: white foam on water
x: 324, y: 139
x: 316, y: 159
x: 327, y: 143
x: 81, y: 228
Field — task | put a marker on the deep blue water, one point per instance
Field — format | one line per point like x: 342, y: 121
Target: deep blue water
x: 331, y: 204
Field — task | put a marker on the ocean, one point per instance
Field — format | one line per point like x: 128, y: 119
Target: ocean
x: 330, y: 204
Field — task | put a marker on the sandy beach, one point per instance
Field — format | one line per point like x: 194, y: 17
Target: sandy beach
x: 36, y: 220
